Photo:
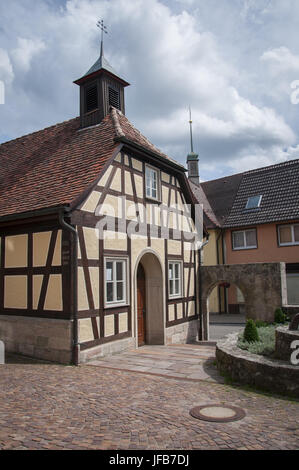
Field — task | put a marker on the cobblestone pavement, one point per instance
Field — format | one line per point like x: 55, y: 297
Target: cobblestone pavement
x: 191, y: 362
x: 45, y: 406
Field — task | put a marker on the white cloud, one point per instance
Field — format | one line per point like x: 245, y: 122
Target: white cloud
x: 6, y: 69
x: 172, y: 58
x: 281, y: 59
x: 25, y: 52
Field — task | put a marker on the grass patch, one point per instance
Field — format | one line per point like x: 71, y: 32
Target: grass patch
x: 266, y: 344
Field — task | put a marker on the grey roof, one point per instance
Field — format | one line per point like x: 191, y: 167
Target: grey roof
x: 279, y: 187
x: 210, y: 219
x: 221, y: 194
x: 101, y: 63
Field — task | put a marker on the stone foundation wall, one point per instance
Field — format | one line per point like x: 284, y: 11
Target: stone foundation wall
x: 258, y: 371
x: 109, y: 349
x: 283, y: 340
x: 182, y: 333
x: 46, y: 339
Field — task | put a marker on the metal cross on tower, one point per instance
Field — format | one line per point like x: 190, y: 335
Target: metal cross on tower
x: 191, y: 134
x: 103, y: 28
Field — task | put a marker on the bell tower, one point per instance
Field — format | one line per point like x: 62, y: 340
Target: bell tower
x: 100, y: 88
x: 193, y: 160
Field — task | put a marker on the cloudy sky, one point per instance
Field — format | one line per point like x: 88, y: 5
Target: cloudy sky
x: 232, y: 61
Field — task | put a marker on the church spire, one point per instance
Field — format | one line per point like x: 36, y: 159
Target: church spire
x: 103, y: 28
x: 192, y: 158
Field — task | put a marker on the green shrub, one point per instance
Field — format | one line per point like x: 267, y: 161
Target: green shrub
x: 279, y: 316
x: 250, y: 333
x: 261, y: 324
x: 266, y: 344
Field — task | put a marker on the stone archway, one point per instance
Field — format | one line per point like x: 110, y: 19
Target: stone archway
x: 154, y: 299
x: 263, y: 286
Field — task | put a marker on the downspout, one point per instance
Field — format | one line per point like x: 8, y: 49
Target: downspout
x: 200, y: 333
x: 218, y: 263
x: 74, y: 264
x: 224, y: 262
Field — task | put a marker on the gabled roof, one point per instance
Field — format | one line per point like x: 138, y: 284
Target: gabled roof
x: 221, y: 194
x: 277, y: 184
x: 210, y: 220
x: 279, y: 187
x: 55, y: 166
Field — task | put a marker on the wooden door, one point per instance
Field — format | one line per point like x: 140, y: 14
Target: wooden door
x: 141, y: 302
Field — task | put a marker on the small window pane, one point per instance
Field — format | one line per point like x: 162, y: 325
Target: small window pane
x: 177, y: 271
x: 285, y: 234
x: 296, y: 233
x: 171, y: 271
x: 177, y: 287
x: 238, y: 240
x: 251, y: 238
x: 109, y: 271
x: 120, y: 291
x: 109, y: 294
x: 171, y: 292
x: 119, y: 271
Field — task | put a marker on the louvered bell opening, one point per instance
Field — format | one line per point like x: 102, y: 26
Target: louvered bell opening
x: 114, y: 98
x: 91, y: 99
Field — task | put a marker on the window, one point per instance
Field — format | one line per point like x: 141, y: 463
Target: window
x: 244, y: 240
x: 152, y: 183
x: 288, y: 235
x: 116, y: 282
x: 175, y: 279
x: 254, y: 202
x: 114, y: 98
x: 91, y: 98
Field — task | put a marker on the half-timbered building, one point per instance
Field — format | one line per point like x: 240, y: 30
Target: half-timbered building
x: 98, y: 243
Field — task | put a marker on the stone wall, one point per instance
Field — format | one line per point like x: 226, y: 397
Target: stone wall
x: 108, y: 349
x: 41, y: 338
x: 182, y: 333
x: 263, y: 286
x: 283, y: 340
x: 258, y: 371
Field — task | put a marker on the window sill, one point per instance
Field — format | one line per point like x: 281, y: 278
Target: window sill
x: 284, y: 245
x: 153, y: 200
x: 116, y: 305
x: 245, y: 249
x: 176, y: 297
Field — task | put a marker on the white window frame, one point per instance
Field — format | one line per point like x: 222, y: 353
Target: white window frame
x: 257, y: 206
x: 151, y: 168
x: 116, y: 303
x: 293, y: 242
x: 245, y: 247
x: 180, y: 279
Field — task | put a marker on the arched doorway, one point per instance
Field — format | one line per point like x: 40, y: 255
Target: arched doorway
x: 226, y: 309
x: 150, y: 323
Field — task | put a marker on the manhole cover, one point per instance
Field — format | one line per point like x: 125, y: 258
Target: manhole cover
x: 218, y: 413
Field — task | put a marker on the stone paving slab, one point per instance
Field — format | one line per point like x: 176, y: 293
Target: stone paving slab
x: 46, y: 406
x: 190, y: 362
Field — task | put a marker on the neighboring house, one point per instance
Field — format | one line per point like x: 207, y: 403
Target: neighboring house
x: 256, y: 220
x: 73, y: 283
